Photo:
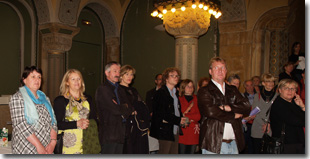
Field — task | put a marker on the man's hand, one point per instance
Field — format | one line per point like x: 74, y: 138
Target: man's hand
x: 237, y: 115
x: 226, y: 108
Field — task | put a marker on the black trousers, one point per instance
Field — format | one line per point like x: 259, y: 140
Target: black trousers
x: 257, y: 145
x: 187, y: 149
x: 112, y: 148
x: 294, y: 149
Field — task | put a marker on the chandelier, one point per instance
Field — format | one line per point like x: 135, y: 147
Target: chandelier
x: 166, y: 7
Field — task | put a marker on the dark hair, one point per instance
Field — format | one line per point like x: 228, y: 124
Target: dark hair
x: 232, y: 77
x: 157, y: 76
x: 287, y: 64
x: 166, y: 72
x: 109, y: 64
x: 202, y: 79
x: 27, y: 71
x: 183, y: 84
x: 293, y: 47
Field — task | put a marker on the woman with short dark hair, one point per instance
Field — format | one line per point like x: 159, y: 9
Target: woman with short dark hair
x: 33, y: 119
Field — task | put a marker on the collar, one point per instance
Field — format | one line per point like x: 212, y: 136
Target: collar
x: 219, y: 86
x: 113, y: 84
x: 171, y: 92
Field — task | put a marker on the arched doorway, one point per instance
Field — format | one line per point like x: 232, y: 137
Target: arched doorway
x: 17, y: 41
x: 87, y: 52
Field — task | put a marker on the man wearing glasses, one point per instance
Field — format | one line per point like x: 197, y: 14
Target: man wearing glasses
x: 222, y: 108
x: 167, y: 114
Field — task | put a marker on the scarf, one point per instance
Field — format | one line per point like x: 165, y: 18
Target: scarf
x: 31, y: 113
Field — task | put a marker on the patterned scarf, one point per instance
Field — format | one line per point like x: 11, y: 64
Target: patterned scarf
x: 31, y: 113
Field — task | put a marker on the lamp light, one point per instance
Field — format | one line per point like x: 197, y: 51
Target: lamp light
x: 164, y: 7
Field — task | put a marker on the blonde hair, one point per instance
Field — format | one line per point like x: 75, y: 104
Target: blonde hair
x: 216, y: 59
x: 285, y: 82
x: 125, y: 69
x: 64, y: 88
x: 183, y: 84
x: 268, y: 77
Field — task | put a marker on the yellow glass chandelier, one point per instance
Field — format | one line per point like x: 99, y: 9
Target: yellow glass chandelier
x: 165, y: 7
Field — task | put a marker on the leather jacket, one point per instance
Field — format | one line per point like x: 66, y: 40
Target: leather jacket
x: 213, y: 118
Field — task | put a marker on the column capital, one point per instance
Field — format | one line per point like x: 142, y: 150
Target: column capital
x: 57, y: 37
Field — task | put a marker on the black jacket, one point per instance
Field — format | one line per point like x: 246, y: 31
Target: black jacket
x: 111, y: 115
x: 163, y: 118
x: 290, y: 114
x: 149, y: 99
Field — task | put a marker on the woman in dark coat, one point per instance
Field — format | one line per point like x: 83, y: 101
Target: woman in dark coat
x: 136, y: 140
x: 289, y: 109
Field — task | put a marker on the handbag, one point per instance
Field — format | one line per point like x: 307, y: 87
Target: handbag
x: 273, y: 145
x: 59, y: 144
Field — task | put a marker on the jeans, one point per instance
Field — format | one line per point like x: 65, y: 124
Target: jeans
x: 226, y: 148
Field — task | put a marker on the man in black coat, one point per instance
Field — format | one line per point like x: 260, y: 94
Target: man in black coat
x: 113, y: 111
x: 150, y: 93
x: 167, y: 115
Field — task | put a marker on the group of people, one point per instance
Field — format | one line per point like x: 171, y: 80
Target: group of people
x: 174, y: 119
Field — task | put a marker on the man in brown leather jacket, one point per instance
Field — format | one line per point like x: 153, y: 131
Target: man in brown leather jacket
x: 222, y: 108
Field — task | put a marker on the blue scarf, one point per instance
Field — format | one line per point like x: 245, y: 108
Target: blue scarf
x: 31, y: 113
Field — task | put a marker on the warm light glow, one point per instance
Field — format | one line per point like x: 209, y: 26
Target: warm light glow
x: 183, y: 8
x: 168, y: 7
x: 155, y: 13
x: 214, y: 13
x: 173, y: 9
x: 165, y: 11
x: 194, y: 6
x: 210, y: 11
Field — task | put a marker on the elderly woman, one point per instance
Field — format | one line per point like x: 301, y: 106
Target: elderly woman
x: 189, y: 107
x: 73, y: 109
x: 289, y: 110
x: 137, y: 124
x: 263, y: 101
x: 33, y: 119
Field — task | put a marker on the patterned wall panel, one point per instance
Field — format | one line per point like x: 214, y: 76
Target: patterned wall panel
x: 68, y: 11
x: 110, y: 26
x: 233, y: 10
x: 278, y: 51
x: 42, y: 11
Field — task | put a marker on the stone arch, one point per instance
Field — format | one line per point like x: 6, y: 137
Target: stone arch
x: 272, y: 24
x: 31, y: 12
x: 43, y: 10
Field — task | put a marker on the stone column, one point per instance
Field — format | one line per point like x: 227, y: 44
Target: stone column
x: 186, y: 27
x: 113, y: 50
x: 186, y: 56
x: 55, y: 40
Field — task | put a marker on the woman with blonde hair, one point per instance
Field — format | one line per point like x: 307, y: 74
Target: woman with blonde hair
x: 73, y: 109
x: 137, y: 125
x: 263, y: 101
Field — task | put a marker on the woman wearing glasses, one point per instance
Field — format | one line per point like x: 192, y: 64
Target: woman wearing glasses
x: 289, y: 110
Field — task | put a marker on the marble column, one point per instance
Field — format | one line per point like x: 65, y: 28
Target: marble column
x: 186, y: 27
x: 55, y: 41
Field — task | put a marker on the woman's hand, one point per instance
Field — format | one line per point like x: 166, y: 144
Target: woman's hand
x: 299, y: 102
x: 266, y: 126
x: 50, y: 147
x: 41, y: 149
x: 82, y: 123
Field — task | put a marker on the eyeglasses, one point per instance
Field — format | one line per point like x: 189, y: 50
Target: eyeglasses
x: 287, y: 88
x: 174, y: 76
